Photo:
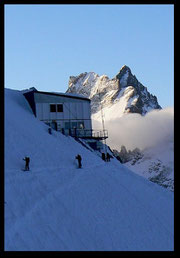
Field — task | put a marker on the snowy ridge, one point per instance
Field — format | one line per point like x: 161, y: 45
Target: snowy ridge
x: 57, y: 207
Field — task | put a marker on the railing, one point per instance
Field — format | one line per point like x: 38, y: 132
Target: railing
x: 82, y: 133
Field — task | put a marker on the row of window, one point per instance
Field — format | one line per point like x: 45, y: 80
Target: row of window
x: 56, y: 107
x: 73, y: 125
x: 68, y: 125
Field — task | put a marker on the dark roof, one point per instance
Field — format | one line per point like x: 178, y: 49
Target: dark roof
x: 67, y: 95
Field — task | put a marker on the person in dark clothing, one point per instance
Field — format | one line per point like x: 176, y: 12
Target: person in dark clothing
x: 107, y: 157
x: 49, y: 130
x: 62, y: 130
x: 27, y: 160
x: 75, y: 132
x: 103, y: 156
x: 119, y: 158
x: 78, y: 157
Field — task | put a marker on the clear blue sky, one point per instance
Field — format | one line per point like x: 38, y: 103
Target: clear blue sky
x: 45, y: 44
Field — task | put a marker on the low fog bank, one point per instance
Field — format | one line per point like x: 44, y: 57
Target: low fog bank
x: 136, y: 131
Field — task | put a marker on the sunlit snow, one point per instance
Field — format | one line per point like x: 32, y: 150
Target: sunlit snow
x: 55, y: 206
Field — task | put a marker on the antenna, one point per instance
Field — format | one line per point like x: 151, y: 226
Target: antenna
x: 102, y: 117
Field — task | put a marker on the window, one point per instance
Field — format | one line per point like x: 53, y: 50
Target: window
x: 67, y: 125
x: 52, y: 108
x: 56, y: 107
x: 59, y: 107
x: 74, y: 124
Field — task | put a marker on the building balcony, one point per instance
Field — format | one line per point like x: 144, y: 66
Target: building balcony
x: 86, y: 134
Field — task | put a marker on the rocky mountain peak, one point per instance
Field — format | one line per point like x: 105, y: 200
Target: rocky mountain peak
x: 124, y: 70
x: 124, y: 89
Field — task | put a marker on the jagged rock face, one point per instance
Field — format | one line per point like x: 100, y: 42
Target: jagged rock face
x: 95, y: 87
x: 125, y: 86
x: 145, y: 100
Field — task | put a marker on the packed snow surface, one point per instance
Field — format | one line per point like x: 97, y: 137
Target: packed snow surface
x: 55, y: 206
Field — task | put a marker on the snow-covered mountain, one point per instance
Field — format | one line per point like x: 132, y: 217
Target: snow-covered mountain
x: 120, y: 95
x: 57, y: 207
x: 154, y: 163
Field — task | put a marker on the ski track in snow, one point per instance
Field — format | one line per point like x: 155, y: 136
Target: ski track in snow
x: 144, y: 206
x: 64, y: 185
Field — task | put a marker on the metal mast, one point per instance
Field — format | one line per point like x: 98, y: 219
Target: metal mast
x: 102, y: 117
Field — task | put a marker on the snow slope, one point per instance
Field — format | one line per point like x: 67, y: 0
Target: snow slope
x: 56, y: 206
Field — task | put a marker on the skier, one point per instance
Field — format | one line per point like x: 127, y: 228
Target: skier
x: 27, y: 160
x: 107, y: 157
x: 62, y: 130
x: 119, y: 158
x: 78, y: 157
x: 103, y: 156
x: 49, y: 130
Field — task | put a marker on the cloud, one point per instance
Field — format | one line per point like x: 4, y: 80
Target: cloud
x: 134, y: 130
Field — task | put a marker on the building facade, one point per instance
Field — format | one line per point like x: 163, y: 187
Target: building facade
x: 70, y: 114
x: 61, y: 111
